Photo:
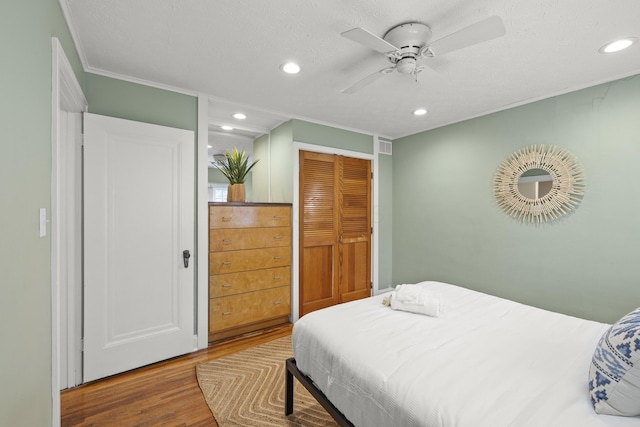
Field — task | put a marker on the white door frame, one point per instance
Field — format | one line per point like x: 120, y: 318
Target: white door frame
x: 202, y: 224
x: 66, y: 96
x: 295, y: 266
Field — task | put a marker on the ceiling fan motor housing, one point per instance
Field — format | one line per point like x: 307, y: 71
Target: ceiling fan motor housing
x: 409, y: 38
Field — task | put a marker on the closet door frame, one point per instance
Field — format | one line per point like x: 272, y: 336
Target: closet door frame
x: 295, y: 266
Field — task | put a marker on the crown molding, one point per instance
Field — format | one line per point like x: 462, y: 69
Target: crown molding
x: 68, y: 17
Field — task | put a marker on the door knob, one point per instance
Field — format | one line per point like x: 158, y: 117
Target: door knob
x: 185, y: 257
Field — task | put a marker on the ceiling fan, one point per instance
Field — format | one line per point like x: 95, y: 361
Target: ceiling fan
x: 404, y: 45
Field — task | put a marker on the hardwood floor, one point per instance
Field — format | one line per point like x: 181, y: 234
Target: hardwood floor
x: 163, y: 394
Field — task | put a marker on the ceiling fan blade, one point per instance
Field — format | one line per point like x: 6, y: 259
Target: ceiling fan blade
x: 368, y: 80
x: 370, y: 40
x: 479, y: 32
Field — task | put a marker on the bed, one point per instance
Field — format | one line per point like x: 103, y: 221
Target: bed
x: 485, y: 361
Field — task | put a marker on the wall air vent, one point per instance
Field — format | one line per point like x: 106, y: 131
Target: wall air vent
x: 384, y: 147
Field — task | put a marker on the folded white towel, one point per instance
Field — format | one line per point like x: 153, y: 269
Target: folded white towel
x: 416, y: 299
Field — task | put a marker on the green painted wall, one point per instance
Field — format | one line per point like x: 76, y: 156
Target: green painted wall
x: 447, y: 226
x: 261, y: 169
x: 118, y: 98
x: 385, y: 221
x: 280, y: 164
x: 328, y: 136
x: 26, y: 28
x: 216, y: 176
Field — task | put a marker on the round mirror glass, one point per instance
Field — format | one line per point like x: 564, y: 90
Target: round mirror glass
x: 535, y: 183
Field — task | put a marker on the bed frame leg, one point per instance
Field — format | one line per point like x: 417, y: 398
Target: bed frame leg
x: 291, y: 371
x: 288, y: 407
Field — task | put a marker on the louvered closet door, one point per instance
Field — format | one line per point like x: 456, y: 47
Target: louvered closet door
x: 355, y: 229
x: 335, y: 230
x: 318, y: 231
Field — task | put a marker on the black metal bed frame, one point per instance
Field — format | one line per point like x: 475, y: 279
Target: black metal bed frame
x: 293, y: 371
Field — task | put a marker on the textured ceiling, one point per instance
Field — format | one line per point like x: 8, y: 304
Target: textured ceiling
x: 232, y: 50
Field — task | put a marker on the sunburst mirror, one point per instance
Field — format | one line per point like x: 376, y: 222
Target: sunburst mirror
x: 539, y: 183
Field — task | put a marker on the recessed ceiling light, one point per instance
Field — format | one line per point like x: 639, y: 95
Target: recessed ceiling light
x: 208, y: 145
x: 290, y: 68
x: 225, y: 127
x: 617, y: 45
x: 240, y: 116
x: 419, y: 112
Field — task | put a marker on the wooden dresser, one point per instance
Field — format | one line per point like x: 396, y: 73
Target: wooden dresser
x: 249, y: 267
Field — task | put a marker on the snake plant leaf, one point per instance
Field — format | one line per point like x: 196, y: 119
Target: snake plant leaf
x: 235, y: 166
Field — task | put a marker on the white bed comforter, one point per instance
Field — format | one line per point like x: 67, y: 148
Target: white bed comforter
x: 486, y: 361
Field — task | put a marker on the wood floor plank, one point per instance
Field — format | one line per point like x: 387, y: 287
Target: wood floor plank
x: 162, y: 394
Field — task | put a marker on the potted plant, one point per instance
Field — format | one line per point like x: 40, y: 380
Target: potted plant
x: 235, y: 167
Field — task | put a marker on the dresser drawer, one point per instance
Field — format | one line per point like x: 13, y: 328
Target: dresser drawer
x: 233, y: 239
x: 250, y: 259
x: 248, y: 281
x: 249, y: 216
x: 236, y: 310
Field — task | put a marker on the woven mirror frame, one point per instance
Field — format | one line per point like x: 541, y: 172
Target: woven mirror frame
x: 567, y: 189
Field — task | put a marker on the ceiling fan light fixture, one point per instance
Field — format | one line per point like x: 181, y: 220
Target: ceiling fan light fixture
x: 617, y: 45
x: 419, y: 112
x: 240, y: 116
x: 406, y: 65
x: 290, y: 68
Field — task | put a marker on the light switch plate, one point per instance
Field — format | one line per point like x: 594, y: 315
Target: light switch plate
x: 43, y: 222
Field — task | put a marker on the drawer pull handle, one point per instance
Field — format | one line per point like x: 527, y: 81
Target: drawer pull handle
x: 226, y: 263
x: 226, y: 241
x: 277, y: 257
x: 277, y: 277
x: 226, y: 313
x: 276, y: 303
x: 227, y: 285
x: 277, y: 237
x: 227, y: 218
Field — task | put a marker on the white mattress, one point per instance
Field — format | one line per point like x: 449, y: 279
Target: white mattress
x: 486, y: 362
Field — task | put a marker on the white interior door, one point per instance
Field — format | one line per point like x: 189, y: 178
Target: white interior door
x: 139, y: 187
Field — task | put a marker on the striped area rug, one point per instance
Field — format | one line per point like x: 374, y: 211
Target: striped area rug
x: 247, y: 389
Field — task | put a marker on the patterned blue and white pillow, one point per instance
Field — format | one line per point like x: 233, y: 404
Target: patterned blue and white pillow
x: 614, y: 376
